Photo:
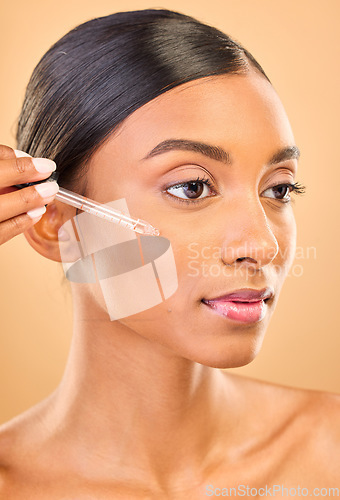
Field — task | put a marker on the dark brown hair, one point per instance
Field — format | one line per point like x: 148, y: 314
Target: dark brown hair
x: 100, y: 72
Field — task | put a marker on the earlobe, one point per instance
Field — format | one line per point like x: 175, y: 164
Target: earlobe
x: 43, y: 236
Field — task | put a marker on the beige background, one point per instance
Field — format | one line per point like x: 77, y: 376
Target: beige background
x: 297, y: 42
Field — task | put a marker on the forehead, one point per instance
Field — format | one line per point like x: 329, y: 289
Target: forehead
x: 232, y: 108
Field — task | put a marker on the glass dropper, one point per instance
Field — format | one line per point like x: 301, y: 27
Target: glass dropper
x: 95, y: 208
x: 105, y: 212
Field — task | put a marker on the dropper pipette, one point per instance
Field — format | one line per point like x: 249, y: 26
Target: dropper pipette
x: 98, y: 209
x: 105, y: 212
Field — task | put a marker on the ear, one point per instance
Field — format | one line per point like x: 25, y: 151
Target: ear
x: 43, y: 236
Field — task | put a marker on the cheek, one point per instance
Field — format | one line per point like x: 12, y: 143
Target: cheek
x: 286, y: 238
x: 166, y: 321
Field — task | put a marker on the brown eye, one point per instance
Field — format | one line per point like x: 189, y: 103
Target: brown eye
x: 191, y: 190
x: 281, y: 192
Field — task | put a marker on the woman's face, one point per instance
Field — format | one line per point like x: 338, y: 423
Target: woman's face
x: 238, y: 231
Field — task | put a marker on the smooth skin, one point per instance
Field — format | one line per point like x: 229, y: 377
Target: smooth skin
x: 142, y: 410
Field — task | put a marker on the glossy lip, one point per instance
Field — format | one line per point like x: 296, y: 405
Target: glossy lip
x: 240, y: 312
x: 244, y: 295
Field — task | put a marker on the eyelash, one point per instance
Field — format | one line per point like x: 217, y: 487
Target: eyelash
x: 295, y: 188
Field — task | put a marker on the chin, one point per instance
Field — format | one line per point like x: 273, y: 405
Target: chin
x: 224, y: 351
x: 224, y: 360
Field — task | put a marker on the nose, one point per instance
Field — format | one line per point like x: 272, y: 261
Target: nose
x: 249, y: 238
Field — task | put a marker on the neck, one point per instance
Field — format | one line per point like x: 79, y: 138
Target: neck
x: 130, y: 402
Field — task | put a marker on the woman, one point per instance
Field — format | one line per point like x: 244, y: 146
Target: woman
x: 172, y: 116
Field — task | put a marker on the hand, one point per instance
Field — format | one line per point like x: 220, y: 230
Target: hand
x: 22, y: 208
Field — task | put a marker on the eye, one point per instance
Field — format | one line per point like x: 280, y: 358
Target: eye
x: 191, y: 191
x: 282, y: 191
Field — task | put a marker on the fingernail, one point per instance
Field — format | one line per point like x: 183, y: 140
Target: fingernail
x: 36, y: 212
x: 20, y: 154
x: 44, y: 165
x: 47, y: 188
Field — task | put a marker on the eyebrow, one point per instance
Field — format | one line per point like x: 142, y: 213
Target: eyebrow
x: 216, y: 152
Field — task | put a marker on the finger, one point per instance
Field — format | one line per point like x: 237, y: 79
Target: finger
x: 17, y: 225
x: 22, y: 170
x: 6, y: 152
x: 25, y: 199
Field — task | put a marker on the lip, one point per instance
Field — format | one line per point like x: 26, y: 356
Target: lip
x: 246, y: 305
x: 243, y: 295
x: 244, y: 312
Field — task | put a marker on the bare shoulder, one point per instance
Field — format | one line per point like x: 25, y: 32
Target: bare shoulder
x: 316, y: 437
x: 10, y: 437
x: 305, y: 423
x: 19, y: 438
x: 305, y: 405
x: 322, y: 413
